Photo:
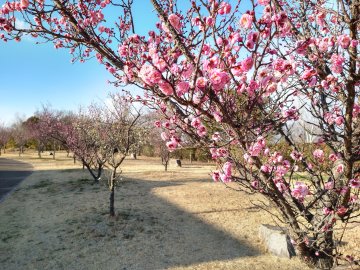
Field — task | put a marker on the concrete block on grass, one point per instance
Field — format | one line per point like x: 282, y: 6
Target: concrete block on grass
x: 277, y: 242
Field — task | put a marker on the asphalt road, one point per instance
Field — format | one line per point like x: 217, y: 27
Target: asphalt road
x: 12, y: 172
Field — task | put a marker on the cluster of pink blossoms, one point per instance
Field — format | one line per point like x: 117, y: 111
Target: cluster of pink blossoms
x: 200, y: 128
x: 300, y: 191
x: 225, y: 174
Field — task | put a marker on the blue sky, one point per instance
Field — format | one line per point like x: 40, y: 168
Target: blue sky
x: 32, y: 75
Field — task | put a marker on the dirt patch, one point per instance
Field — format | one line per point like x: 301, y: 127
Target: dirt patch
x: 58, y: 219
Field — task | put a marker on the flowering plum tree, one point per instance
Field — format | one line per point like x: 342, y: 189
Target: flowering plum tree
x: 84, y: 137
x: 53, y: 127
x: 34, y: 129
x: 20, y: 135
x: 234, y: 76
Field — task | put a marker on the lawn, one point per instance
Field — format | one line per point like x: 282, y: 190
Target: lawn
x: 58, y: 219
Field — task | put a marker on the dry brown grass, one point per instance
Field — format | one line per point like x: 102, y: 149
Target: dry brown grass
x: 58, y: 219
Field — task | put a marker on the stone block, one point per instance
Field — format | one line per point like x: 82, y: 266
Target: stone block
x: 277, y: 242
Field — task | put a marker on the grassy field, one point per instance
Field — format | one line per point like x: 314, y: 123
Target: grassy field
x: 58, y: 219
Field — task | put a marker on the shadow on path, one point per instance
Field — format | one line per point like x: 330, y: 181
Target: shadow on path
x: 12, y: 172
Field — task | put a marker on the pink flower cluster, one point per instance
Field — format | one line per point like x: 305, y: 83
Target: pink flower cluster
x: 246, y: 21
x: 256, y: 148
x: 334, y: 117
x: 319, y: 155
x: 225, y: 175
x: 300, y: 191
x: 337, y: 62
x: 295, y: 155
x: 200, y: 128
x: 224, y: 8
x: 219, y: 79
x: 355, y: 183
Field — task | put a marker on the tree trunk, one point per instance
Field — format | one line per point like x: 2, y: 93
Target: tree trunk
x: 166, y: 165
x: 321, y: 260
x: 112, y: 193
x: 54, y: 148
x: 74, y: 159
x: 112, y: 196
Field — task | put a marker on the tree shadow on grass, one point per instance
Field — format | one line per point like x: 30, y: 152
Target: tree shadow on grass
x: 149, y: 232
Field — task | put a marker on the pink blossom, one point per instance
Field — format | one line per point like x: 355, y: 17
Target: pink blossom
x: 354, y: 43
x: 263, y: 2
x: 166, y: 88
x: 247, y: 64
x: 216, y: 136
x: 248, y: 158
x: 224, y: 8
x: 196, y: 122
x: 290, y: 114
x: 339, y: 120
x: 344, y: 41
x: 333, y: 157
x: 216, y: 176
x: 201, y: 82
x: 227, y: 171
x: 299, y: 191
x: 219, y: 79
x: 295, y: 155
x: 246, y: 21
x: 341, y: 210
x: 356, y: 110
x: 340, y: 168
x: 209, y: 21
x: 337, y: 63
x: 281, y: 171
x: 175, y: 21
x: 149, y: 75
x: 255, y: 184
x: 318, y: 154
x: 182, y: 88
x: 329, y: 185
x: 256, y: 148
x: 344, y: 190
x: 157, y: 124
x: 266, y: 168
x: 217, y: 116
x: 24, y: 4
x: 172, y: 145
x: 166, y: 125
x: 201, y: 131
x: 354, y: 183
x: 327, y: 211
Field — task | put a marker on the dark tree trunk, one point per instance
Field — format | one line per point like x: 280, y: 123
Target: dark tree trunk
x: 99, y: 171
x: 112, y: 194
x: 39, y: 150
x: 54, y: 148
x: 112, y: 199
x: 320, y: 260
x: 75, y: 159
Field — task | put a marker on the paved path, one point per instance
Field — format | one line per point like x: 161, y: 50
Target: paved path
x: 12, y: 172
